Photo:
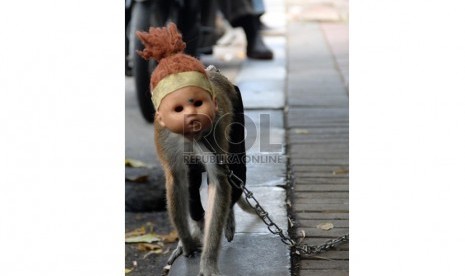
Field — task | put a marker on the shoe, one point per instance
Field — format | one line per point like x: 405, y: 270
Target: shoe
x: 258, y: 50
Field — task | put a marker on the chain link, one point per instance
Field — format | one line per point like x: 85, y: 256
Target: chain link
x: 300, y: 249
x: 304, y: 249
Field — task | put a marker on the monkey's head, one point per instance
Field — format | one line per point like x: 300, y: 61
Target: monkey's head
x: 182, y: 95
x: 189, y: 111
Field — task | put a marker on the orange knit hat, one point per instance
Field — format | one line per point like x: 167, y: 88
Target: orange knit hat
x: 175, y: 69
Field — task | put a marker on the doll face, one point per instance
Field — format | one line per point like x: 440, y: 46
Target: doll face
x: 187, y: 111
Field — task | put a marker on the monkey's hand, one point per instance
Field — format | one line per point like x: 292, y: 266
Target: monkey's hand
x: 187, y: 249
x: 176, y: 253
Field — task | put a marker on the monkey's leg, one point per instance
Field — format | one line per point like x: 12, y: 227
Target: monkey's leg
x: 177, y: 194
x: 237, y: 146
x: 217, y: 211
x: 196, y: 210
x: 236, y: 153
x: 230, y: 228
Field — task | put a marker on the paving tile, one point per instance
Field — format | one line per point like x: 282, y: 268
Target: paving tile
x: 273, y: 201
x: 264, y: 131
x: 247, y: 254
x: 262, y: 94
x: 301, y: 88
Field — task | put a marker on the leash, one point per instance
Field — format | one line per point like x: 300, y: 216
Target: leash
x: 298, y: 248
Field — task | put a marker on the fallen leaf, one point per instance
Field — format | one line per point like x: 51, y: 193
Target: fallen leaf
x: 150, y: 247
x: 341, y: 171
x: 148, y: 238
x: 325, y: 226
x: 128, y: 270
x: 291, y: 224
x: 158, y: 251
x: 138, y: 179
x: 288, y: 202
x: 170, y: 237
x: 134, y: 163
x: 301, y: 131
x: 145, y: 234
x: 136, y: 232
x: 321, y: 258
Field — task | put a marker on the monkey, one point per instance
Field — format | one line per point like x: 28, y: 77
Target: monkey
x: 199, y: 125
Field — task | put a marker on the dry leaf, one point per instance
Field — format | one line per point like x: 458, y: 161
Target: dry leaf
x: 291, y: 224
x: 170, y: 237
x: 134, y: 163
x: 341, y: 171
x: 145, y: 234
x: 150, y: 247
x: 325, y: 226
x: 148, y: 238
x: 158, y: 251
x: 301, y: 131
x: 138, y: 179
x: 128, y: 270
x: 321, y: 258
x: 136, y: 232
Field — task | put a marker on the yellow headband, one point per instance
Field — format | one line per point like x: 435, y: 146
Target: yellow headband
x: 176, y: 81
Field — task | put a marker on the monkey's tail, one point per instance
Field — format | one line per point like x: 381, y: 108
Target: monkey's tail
x: 244, y: 205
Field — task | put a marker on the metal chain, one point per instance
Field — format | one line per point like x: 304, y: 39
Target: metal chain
x: 275, y: 229
x: 300, y: 249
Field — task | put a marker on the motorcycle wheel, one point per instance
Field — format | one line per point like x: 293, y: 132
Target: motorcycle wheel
x: 144, y: 15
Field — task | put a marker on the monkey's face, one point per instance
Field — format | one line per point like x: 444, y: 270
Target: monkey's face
x: 187, y: 111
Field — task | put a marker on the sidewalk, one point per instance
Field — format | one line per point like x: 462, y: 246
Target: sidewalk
x: 318, y: 130
x: 254, y: 250
x: 300, y: 99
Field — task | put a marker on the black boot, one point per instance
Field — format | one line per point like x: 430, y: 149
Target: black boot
x: 256, y: 48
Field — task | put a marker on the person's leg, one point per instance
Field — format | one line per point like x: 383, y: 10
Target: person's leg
x: 241, y: 14
x: 256, y: 47
x: 189, y: 25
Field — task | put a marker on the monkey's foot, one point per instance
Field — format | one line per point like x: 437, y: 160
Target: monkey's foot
x: 189, y: 250
x: 210, y: 272
x: 230, y: 227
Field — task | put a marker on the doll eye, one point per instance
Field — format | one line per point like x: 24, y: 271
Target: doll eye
x: 178, y: 108
x: 198, y: 103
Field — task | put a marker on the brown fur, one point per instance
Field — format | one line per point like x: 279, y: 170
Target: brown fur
x: 218, y: 215
x: 166, y: 46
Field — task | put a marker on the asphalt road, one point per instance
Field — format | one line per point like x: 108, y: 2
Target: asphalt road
x: 145, y: 201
